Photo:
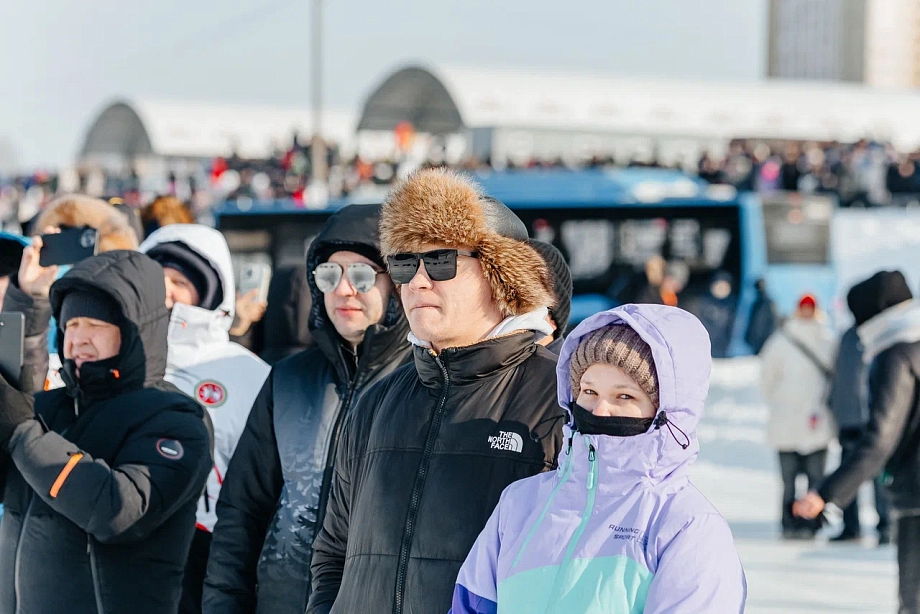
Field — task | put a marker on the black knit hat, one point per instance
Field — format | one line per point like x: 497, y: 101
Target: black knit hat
x: 89, y: 304
x: 562, y: 283
x: 177, y: 255
x: 872, y: 296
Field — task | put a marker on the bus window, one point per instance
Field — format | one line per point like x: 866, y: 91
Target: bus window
x: 798, y: 228
x: 589, y: 244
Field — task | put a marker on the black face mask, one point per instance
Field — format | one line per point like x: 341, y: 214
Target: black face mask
x: 616, y: 426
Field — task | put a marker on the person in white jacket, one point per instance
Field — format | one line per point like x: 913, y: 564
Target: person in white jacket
x: 202, y: 362
x: 796, y: 371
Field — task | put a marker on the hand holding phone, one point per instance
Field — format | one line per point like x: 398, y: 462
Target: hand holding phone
x: 34, y: 279
x: 69, y: 246
x: 256, y: 277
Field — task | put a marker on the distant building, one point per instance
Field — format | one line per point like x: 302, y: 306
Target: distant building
x: 876, y: 42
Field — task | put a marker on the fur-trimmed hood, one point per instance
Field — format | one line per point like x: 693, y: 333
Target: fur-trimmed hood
x: 75, y: 210
x: 443, y: 207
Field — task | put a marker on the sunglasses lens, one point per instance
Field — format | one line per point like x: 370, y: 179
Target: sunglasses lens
x: 441, y: 264
x: 327, y: 277
x: 362, y: 276
x: 403, y: 267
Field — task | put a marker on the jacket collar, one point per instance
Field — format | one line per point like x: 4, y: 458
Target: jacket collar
x: 473, y: 363
x: 898, y: 324
x: 381, y: 346
x: 197, y: 327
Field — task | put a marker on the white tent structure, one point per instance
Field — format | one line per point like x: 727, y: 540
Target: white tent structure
x: 128, y: 130
x: 511, y: 112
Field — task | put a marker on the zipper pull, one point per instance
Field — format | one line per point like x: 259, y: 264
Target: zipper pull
x: 592, y: 473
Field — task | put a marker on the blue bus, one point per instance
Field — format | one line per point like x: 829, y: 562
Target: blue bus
x: 609, y: 224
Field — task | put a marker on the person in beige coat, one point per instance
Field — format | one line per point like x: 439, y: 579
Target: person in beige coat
x: 796, y: 372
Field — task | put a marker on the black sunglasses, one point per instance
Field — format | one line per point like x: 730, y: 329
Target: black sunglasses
x: 440, y: 264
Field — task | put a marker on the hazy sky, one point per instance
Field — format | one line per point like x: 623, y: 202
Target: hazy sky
x: 61, y: 60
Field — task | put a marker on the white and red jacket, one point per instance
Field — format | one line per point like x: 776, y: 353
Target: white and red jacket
x: 202, y: 361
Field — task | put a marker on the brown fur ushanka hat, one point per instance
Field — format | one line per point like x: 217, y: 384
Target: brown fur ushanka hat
x: 442, y: 207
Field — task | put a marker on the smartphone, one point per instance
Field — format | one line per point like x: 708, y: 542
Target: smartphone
x: 69, y: 246
x: 256, y: 276
x: 12, y: 340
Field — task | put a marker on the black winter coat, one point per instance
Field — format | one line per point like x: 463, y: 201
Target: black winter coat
x: 100, y: 506
x: 892, y: 438
x: 424, y: 459
x: 274, y: 495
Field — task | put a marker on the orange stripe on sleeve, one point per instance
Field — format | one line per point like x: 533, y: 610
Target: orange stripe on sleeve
x: 65, y: 473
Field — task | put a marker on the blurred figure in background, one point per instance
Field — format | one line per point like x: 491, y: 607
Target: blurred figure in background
x: 764, y: 318
x: 163, y: 211
x: 889, y: 329
x: 654, y: 275
x: 796, y: 371
x: 286, y: 329
x: 561, y: 275
x: 849, y: 405
x: 716, y: 310
x: 674, y: 277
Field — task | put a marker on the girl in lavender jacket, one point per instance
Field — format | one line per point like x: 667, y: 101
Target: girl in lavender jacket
x: 618, y: 527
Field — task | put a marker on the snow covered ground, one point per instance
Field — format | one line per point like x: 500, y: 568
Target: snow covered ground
x: 739, y: 474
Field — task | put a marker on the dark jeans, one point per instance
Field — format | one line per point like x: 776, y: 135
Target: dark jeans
x: 793, y: 464
x: 849, y: 438
x: 909, y: 564
x: 195, y: 569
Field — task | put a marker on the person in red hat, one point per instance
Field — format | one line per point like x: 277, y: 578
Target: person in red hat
x: 795, y: 375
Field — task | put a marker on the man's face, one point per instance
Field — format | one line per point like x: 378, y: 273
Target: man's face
x: 90, y: 340
x: 353, y: 312
x: 454, y: 313
x: 179, y: 290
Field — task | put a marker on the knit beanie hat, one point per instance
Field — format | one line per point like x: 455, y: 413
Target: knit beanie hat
x: 872, y: 296
x: 177, y: 255
x: 562, y: 283
x: 620, y: 346
x: 88, y: 304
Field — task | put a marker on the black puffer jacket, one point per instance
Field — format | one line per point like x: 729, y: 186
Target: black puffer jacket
x: 424, y: 460
x: 274, y: 494
x: 100, y: 508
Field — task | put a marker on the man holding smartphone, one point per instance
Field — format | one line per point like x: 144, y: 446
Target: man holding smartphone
x: 202, y: 362
x: 100, y: 478
x: 275, y: 492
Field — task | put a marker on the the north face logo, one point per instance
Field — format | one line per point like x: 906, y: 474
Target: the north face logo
x: 506, y: 440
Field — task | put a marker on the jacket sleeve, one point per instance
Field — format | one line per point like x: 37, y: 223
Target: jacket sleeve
x: 476, y: 591
x: 248, y: 496
x: 125, y: 502
x: 891, y: 395
x: 329, y: 547
x: 37, y: 313
x: 699, y: 572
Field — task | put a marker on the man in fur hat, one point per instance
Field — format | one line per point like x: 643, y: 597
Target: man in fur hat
x: 428, y: 451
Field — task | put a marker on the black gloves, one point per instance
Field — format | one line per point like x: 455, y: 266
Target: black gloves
x: 16, y: 407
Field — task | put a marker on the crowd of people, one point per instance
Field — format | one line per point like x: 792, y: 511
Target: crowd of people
x: 408, y: 424
x: 428, y: 450
x: 863, y: 174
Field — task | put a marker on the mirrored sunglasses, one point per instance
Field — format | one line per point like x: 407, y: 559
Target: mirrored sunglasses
x: 440, y: 264
x: 328, y: 275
